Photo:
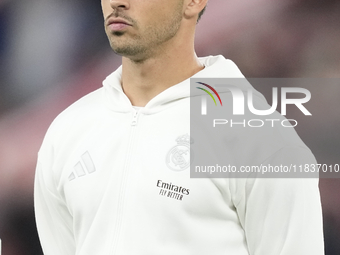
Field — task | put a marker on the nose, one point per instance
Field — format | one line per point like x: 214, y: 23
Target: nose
x: 119, y: 4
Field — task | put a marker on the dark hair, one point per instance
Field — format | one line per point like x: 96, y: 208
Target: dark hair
x: 201, y: 13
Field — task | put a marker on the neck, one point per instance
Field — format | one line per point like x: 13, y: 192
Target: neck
x: 143, y: 80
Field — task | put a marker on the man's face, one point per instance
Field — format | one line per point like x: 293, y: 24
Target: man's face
x: 136, y: 28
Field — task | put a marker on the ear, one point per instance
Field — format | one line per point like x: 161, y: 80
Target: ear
x: 193, y: 8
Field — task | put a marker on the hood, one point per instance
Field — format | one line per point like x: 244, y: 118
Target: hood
x: 215, y: 67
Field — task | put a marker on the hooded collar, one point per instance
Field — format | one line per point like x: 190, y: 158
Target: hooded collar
x: 215, y: 67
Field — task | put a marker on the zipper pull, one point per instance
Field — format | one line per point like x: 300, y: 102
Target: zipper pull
x: 134, y: 119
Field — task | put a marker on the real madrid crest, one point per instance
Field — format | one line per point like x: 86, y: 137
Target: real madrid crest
x: 178, y: 158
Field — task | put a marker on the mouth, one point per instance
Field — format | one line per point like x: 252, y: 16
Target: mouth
x: 117, y: 24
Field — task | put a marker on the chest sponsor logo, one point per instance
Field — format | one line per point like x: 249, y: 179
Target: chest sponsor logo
x: 171, y: 190
x: 178, y: 158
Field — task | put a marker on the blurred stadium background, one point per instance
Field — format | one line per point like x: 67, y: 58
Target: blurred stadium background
x: 54, y: 52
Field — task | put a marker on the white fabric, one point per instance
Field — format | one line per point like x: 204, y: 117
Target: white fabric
x: 102, y: 169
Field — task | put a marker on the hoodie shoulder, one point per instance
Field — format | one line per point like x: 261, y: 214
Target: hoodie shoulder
x: 83, y: 110
x: 219, y: 67
x: 233, y: 70
x: 83, y: 105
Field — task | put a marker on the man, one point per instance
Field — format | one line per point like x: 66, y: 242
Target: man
x: 107, y: 181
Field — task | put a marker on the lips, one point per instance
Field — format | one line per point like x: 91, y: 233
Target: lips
x: 117, y: 24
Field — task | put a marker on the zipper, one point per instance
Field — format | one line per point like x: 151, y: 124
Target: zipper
x: 134, y: 119
x: 123, y: 187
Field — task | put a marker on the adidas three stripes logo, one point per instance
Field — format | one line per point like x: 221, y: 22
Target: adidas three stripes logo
x: 83, y: 167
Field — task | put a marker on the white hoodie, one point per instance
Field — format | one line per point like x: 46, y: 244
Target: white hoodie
x: 103, y: 185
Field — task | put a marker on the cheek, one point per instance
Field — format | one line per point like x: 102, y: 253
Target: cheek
x: 106, y: 8
x: 151, y: 12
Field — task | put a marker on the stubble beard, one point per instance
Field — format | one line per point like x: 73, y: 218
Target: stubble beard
x: 148, y: 40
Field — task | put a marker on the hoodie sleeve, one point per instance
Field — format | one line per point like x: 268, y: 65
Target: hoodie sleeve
x: 281, y: 216
x: 53, y: 219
